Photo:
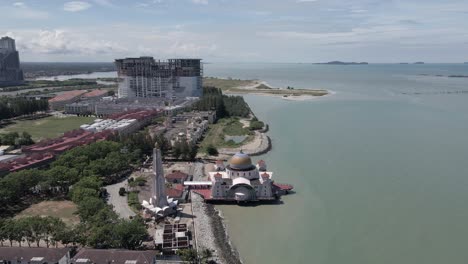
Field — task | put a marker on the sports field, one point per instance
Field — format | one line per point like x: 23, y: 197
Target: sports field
x: 49, y: 127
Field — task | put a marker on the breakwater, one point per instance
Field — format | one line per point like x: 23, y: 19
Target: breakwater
x: 211, y: 233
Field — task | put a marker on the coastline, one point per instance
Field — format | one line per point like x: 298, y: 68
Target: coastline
x: 211, y: 232
x: 262, y: 88
x: 260, y: 145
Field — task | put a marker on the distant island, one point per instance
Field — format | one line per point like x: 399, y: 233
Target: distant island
x: 419, y: 62
x: 343, y: 63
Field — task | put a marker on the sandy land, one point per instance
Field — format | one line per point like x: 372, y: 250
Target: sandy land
x: 65, y: 210
x: 262, y: 88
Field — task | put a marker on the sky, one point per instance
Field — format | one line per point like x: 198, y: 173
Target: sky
x: 239, y: 30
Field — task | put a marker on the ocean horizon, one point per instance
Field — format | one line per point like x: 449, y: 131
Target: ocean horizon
x: 377, y: 167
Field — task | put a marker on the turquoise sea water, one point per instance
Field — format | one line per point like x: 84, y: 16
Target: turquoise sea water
x: 379, y: 168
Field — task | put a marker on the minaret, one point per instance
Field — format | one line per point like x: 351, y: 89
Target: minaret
x: 159, y: 182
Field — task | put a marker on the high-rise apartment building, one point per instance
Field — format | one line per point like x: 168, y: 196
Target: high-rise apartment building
x: 149, y: 78
x: 10, y: 71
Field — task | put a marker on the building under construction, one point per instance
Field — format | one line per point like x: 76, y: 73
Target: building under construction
x: 146, y: 77
x: 10, y: 71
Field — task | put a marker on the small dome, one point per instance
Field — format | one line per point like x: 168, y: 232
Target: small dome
x: 240, y: 161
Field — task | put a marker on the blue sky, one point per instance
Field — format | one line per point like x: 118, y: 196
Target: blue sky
x: 239, y: 30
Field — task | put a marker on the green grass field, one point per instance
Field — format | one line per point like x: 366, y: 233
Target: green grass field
x: 226, y: 84
x: 49, y: 127
x: 225, y: 126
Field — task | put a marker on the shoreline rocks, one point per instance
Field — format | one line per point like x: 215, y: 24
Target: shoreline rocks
x: 211, y: 232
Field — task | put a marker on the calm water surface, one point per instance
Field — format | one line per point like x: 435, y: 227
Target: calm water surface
x: 379, y: 168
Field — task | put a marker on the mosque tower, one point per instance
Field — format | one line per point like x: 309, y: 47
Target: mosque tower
x: 159, y: 181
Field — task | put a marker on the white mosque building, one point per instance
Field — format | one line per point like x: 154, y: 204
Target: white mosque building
x: 240, y: 181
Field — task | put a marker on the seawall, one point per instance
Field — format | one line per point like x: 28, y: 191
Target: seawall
x: 211, y: 232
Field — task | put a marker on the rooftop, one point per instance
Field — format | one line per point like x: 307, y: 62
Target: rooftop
x: 177, y: 175
x: 176, y: 191
x: 94, y: 93
x: 115, y: 256
x: 26, y: 254
x: 67, y: 96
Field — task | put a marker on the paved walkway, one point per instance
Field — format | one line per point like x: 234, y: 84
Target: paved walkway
x: 259, y: 144
x: 119, y: 202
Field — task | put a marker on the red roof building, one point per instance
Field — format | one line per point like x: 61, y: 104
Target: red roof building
x: 95, y: 94
x: 59, y: 101
x: 177, y: 192
x: 177, y: 177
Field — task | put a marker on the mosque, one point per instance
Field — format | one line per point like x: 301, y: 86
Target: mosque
x: 239, y: 181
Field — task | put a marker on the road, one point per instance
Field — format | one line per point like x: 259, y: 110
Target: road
x: 119, y: 202
x: 196, y: 169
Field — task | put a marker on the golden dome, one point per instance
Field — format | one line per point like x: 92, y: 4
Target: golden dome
x: 240, y: 161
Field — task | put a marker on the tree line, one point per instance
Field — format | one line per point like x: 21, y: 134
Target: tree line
x: 79, y: 175
x: 100, y: 226
x: 18, y: 106
x: 50, y: 230
x: 225, y: 106
x: 105, y: 160
x: 33, y: 230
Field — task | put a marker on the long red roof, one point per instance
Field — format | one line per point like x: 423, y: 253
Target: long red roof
x: 94, y: 93
x: 67, y: 96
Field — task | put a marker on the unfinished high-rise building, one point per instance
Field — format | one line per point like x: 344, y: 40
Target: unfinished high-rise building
x: 146, y: 77
x: 10, y: 71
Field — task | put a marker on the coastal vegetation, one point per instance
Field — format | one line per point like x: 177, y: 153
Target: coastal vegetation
x: 230, y: 110
x: 48, y: 127
x: 224, y: 105
x: 226, y: 84
x: 216, y: 136
x: 255, y: 124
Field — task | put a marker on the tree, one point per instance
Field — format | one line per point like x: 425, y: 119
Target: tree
x: 189, y: 255
x: 12, y: 231
x: 130, y: 233
x: 211, y: 150
x: 2, y: 231
x: 54, y: 228
x: 89, y: 206
x: 122, y: 191
x: 206, y: 254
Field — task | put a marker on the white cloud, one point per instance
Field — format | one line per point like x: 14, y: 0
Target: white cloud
x: 200, y: 2
x: 20, y: 10
x: 19, y: 4
x: 76, y: 6
x: 63, y: 42
x: 306, y: 1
